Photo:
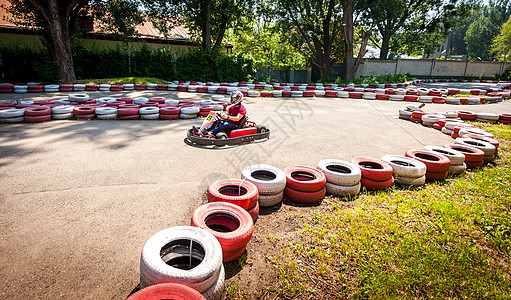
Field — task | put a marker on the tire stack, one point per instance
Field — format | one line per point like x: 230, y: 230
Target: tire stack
x: 20, y: 89
x: 431, y: 119
x: 66, y: 88
x: 63, y: 112
x: 37, y: 114
x: 230, y: 224
x: 149, y: 113
x: 184, y: 255
x: 6, y: 88
x: 205, y: 110
x: 78, y: 98
x: 474, y: 158
x: 169, y: 113
x: 236, y: 191
x: 494, y: 142
x: 407, y: 171
x: 104, y: 87
x: 270, y: 182
x: 128, y: 112
x: 51, y: 88
x: 376, y: 174
x: 456, y: 158
x: 189, y: 112
x: 167, y: 291
x: 84, y: 112
x: 503, y: 118
x: 12, y: 115
x: 487, y: 117
x: 467, y: 115
x: 486, y: 147
x: 304, y: 184
x: 342, y: 177
x: 106, y: 113
x: 437, y: 165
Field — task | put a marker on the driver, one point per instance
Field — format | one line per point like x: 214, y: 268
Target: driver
x: 230, y: 120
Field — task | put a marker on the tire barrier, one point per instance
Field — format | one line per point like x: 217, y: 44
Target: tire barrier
x: 270, y: 182
x: 437, y: 165
x: 304, y: 184
x: 342, y: 177
x: 376, y: 174
x: 236, y: 191
x: 406, y: 171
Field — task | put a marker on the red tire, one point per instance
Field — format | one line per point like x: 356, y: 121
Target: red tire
x: 416, y: 119
x: 43, y: 102
x: 355, y: 95
x: 84, y: 110
x: 129, y: 117
x: 382, y: 96
x: 127, y: 111
x: 115, y: 103
x: 377, y: 185
x: 205, y: 109
x: 149, y: 104
x: 494, y: 142
x: 125, y: 100
x: 128, y: 106
x: 159, y: 100
x: 474, y: 165
x: 411, y: 98
x: 309, y: 93
x: 304, y: 197
x: 37, y: 119
x: 467, y: 115
x: 89, y: 116
x: 254, y: 212
x: 167, y: 291
x: 438, y: 100
x: 230, y: 224
x: 236, y: 191
x: 454, y: 135
x: 304, y: 179
x: 37, y: 111
x: 169, y: 117
x: 436, y: 176
x: 435, y: 162
x: 505, y: 117
x: 140, y: 86
x: 373, y: 169
x: 472, y: 155
x: 438, y: 126
x: 265, y: 94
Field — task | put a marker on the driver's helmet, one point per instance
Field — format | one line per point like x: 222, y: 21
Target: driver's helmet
x: 236, y: 97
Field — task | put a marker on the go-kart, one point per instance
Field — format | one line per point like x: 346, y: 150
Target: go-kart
x: 247, y: 131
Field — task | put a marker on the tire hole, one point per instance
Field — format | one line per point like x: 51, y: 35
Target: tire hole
x: 338, y: 169
x: 178, y: 254
x: 427, y: 156
x: 402, y: 163
x: 443, y: 151
x: 474, y: 143
x: 264, y: 175
x: 222, y: 222
x: 371, y: 165
x: 233, y: 190
x: 302, y: 176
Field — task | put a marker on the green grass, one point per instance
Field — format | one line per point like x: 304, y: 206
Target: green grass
x: 122, y: 80
x: 397, y: 78
x: 445, y: 241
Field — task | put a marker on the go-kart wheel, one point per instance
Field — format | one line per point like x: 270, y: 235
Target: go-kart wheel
x: 261, y: 129
x: 221, y: 136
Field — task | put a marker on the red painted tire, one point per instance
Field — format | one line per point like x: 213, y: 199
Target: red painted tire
x: 172, y: 291
x: 115, y: 103
x: 7, y: 104
x: 92, y: 87
x: 37, y: 111
x: 37, y: 119
x: 329, y: 94
x: 416, y: 119
x: 454, y: 135
x: 438, y: 126
x: 159, y: 100
x: 129, y: 117
x: 235, y: 191
x: 472, y: 155
x: 170, y: 111
x: 467, y: 115
x: 125, y: 100
x: 436, y: 176
x: 149, y: 104
x: 494, y: 142
x: 383, y: 96
x: 304, y: 179
x: 373, y: 185
x: 411, y: 98
x: 127, y: 111
x: 140, y: 86
x: 286, y: 93
x: 254, y: 212
x: 88, y: 116
x: 373, y: 169
x: 438, y: 100
x: 206, y: 108
x: 474, y: 165
x: 435, y: 162
x: 232, y: 226
x: 44, y: 102
x: 128, y: 106
x: 505, y: 117
x: 304, y: 197
x: 355, y: 95
x: 266, y: 94
x: 309, y: 93
x: 83, y: 110
x: 169, y: 117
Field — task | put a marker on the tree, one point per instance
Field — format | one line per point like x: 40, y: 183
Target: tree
x: 409, y: 21
x: 350, y: 63
x: 501, y: 45
x: 209, y: 19
x: 56, y: 19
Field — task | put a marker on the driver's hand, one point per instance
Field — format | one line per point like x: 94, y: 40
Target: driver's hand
x: 224, y: 116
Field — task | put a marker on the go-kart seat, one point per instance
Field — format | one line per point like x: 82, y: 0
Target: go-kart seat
x: 242, y: 122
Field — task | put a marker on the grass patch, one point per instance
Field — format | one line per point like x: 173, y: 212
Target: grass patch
x: 445, y: 240
x: 122, y: 80
x: 397, y: 78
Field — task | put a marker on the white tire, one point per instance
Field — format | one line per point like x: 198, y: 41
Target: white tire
x: 107, y: 117
x: 12, y: 120
x: 410, y: 180
x: 216, y: 291
x: 485, y: 121
x: 270, y: 200
x: 21, y: 91
x: 447, y: 131
x: 105, y: 111
x: 343, y: 94
x: 487, y: 148
x: 79, y: 87
x: 340, y: 172
x: 12, y: 113
x: 78, y: 97
x: 477, y: 131
x: 296, y: 94
x: 457, y: 169
x: 206, y: 102
x: 65, y: 109
x: 342, y: 190
x: 104, y: 100
x: 252, y: 93
x: 62, y: 116
x: 425, y: 99
x: 451, y: 125
x: 166, y: 247
x: 149, y: 110
x: 176, y: 102
x: 488, y: 116
x: 456, y: 158
x: 403, y: 166
x: 190, y: 110
x: 152, y: 86
x: 172, y: 87
x: 452, y: 101
x: 277, y: 94
x: 140, y: 100
x: 185, y: 116
x: 150, y: 116
x: 432, y: 118
x: 105, y: 86
x: 217, y: 98
x: 397, y: 98
x: 268, y: 179
x: 369, y: 96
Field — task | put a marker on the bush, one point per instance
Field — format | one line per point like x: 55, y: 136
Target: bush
x: 398, y: 78
x: 22, y: 64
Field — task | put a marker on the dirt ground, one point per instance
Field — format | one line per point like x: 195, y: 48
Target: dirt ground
x: 79, y: 199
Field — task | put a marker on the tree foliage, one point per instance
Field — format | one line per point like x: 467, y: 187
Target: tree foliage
x: 501, y: 46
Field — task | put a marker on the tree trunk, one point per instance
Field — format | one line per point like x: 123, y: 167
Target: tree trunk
x: 385, y: 45
x: 206, y: 28
x: 61, y: 48
x: 363, y: 50
x: 348, y: 39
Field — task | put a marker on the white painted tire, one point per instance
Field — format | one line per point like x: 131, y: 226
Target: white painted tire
x: 170, y: 101
x: 403, y: 166
x: 488, y: 116
x: 171, y: 244
x: 190, y: 110
x: 452, y: 101
x: 78, y: 97
x: 107, y: 117
x: 151, y: 86
x: 12, y: 120
x: 270, y: 200
x: 105, y: 100
x: 105, y: 111
x: 62, y: 116
x: 456, y: 157
x: 149, y: 110
x: 447, y: 131
x: 457, y: 169
x: 397, y: 98
x: 477, y: 131
x: 342, y: 190
x: 140, y: 100
x: 172, y: 87
x: 252, y: 93
x: 185, y: 116
x: 66, y: 109
x: 216, y: 291
x: 415, y: 181
x: 425, y: 99
x: 206, y: 102
x: 12, y: 113
x: 487, y: 148
x: 269, y: 180
x: 343, y: 94
x: 340, y: 172
x: 451, y: 125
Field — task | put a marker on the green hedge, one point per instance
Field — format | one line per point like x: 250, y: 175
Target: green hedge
x: 22, y: 64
